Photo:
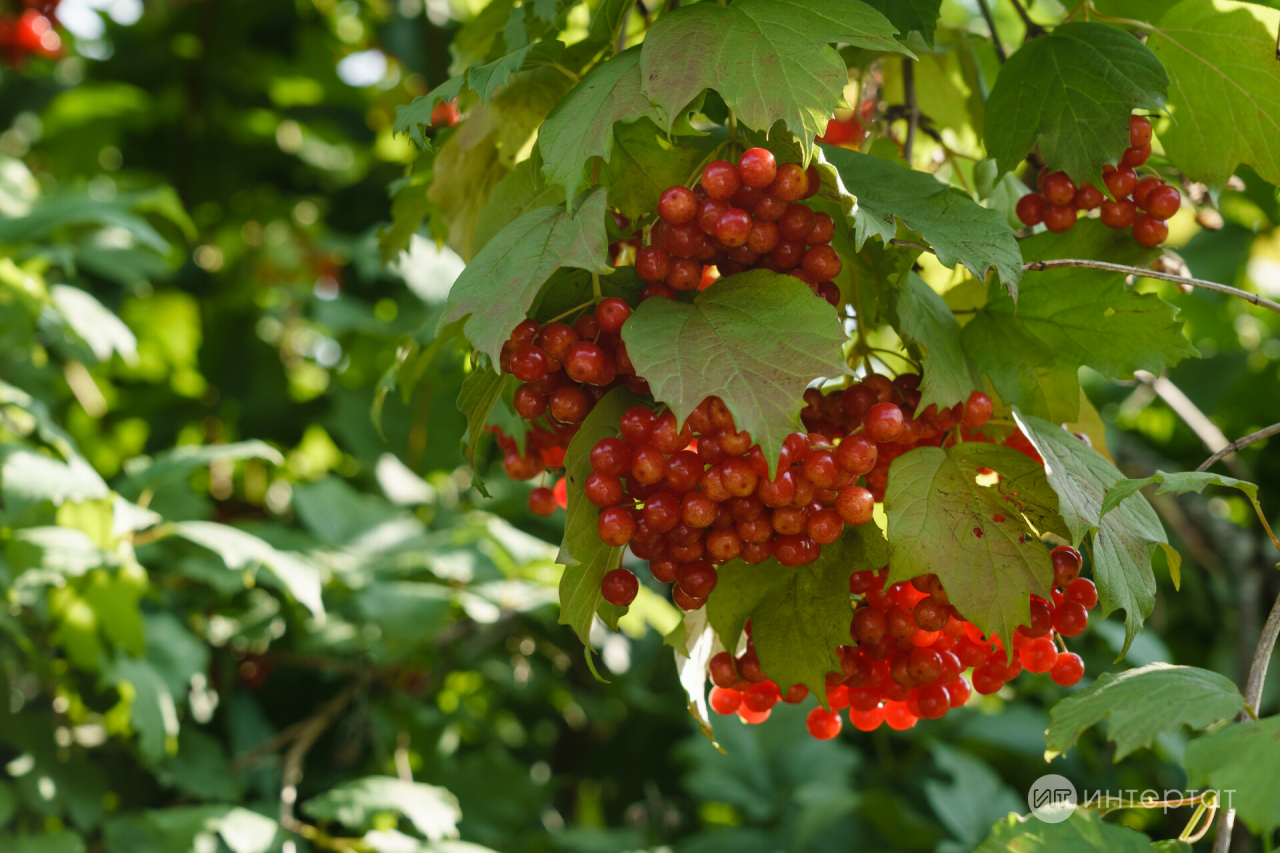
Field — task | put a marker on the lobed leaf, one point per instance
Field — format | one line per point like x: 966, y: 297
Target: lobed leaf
x: 908, y: 15
x: 1240, y: 761
x: 755, y: 340
x: 926, y: 321
x: 1140, y: 703
x: 1071, y: 93
x: 1084, y: 832
x: 974, y: 538
x: 1123, y: 541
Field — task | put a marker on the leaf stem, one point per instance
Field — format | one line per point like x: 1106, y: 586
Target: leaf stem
x: 595, y: 287
x: 575, y: 309
x: 991, y: 25
x: 557, y: 66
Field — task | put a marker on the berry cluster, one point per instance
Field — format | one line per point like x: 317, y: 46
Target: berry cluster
x: 1059, y: 199
x: 565, y: 370
x: 739, y: 218
x: 911, y: 650
x: 31, y: 33
x: 687, y: 499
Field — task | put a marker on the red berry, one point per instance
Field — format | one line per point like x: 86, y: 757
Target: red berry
x: 1066, y: 565
x: 570, y: 404
x: 857, y: 453
x: 725, y: 700
x: 1149, y: 231
x: 763, y: 236
x: 648, y: 464
x: 1059, y: 188
x: 977, y: 410
x: 529, y: 363
x: 823, y: 725
x: 684, y: 240
x: 1059, y: 217
x: 542, y: 501
x: 733, y: 226
x: 1030, y: 209
x: 611, y: 313
x: 761, y: 697
x: 815, y: 181
x: 1162, y: 202
x: 1136, y: 156
x: 1139, y: 131
x: 697, y: 579
x: 611, y: 456
x: 867, y: 721
x: 757, y: 167
x: 822, y: 232
x: 884, y: 422
x: 723, y: 673
x: 1120, y: 182
x: 796, y: 222
x: 720, y: 179
x: 1070, y: 618
x: 898, y: 716
x: 1088, y: 197
x: 619, y: 587
x: 528, y: 403
x: 855, y: 505
x: 1144, y: 188
x: 1039, y: 655
x: 933, y: 701
x: 1083, y: 591
x: 769, y: 208
x: 791, y: 183
x: 1067, y: 669
x: 825, y: 526
x: 1119, y: 214
x: 987, y: 678
x: 958, y: 692
x: 586, y: 362
x: 677, y: 204
x: 637, y: 426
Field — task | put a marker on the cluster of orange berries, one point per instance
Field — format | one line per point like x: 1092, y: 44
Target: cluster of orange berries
x: 737, y: 218
x: 1059, y: 199
x: 911, y: 650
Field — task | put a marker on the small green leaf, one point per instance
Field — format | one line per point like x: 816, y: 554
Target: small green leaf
x: 755, y: 340
x: 1179, y: 484
x: 972, y: 537
x: 152, y: 711
x: 148, y: 473
x: 1067, y: 318
x: 907, y: 15
x: 925, y: 320
x: 1071, y: 93
x: 481, y: 391
x: 1084, y: 832
x: 1123, y: 541
x: 769, y: 59
x: 522, y: 190
x: 1225, y: 92
x: 585, y: 557
x: 496, y: 290
x: 29, y: 478
x: 432, y: 810
x: 581, y: 125
x: 959, y: 229
x: 1240, y: 761
x: 798, y: 615
x: 1141, y: 703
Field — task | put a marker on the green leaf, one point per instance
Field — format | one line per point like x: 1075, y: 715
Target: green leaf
x: 959, y: 229
x: 769, y: 59
x: 1240, y: 761
x: 1141, y: 703
x: 926, y: 321
x: 1071, y: 93
x: 1225, y: 97
x: 54, y: 842
x: 29, y: 478
x: 187, y: 828
x: 581, y: 125
x: 644, y: 164
x: 1177, y: 484
x: 585, y: 557
x: 1123, y: 541
x: 8, y: 805
x: 756, y: 340
x: 152, y: 711
x: 609, y: 20
x: 1084, y: 832
x: 481, y: 391
x: 975, y: 797
x: 798, y: 615
x: 1067, y: 318
x: 98, y: 327
x: 496, y: 290
x: 432, y: 810
x: 148, y: 473
x: 907, y: 15
x: 522, y: 190
x: 241, y: 550
x: 941, y: 521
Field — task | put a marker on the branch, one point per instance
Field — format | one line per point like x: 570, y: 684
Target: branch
x: 307, y: 735
x: 1205, y: 429
x: 1162, y: 276
x: 1240, y: 444
x: 1033, y: 29
x: 909, y: 102
x: 991, y: 25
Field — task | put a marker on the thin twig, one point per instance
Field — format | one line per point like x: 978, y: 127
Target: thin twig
x: 1204, y: 428
x: 991, y: 25
x: 1240, y: 444
x: 909, y: 102
x: 1060, y: 263
x: 1033, y: 29
x: 313, y: 727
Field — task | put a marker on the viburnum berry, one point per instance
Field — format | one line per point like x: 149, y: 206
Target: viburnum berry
x: 1066, y: 565
x: 1039, y: 655
x: 1139, y: 131
x: 1149, y: 231
x: 1135, y: 156
x: 1059, y: 217
x: 757, y: 167
x: 1161, y: 201
x: 1120, y: 182
x: 977, y: 410
x: 1143, y: 190
x: 1083, y: 592
x: 1070, y: 618
x: 1088, y: 197
x: 1030, y: 209
x: 725, y: 700
x: 1059, y: 189
x: 542, y: 501
x: 615, y: 526
x: 619, y: 587
x: 677, y: 205
x: 790, y: 184
x: 1119, y: 214
x: 884, y: 422
x: 720, y: 179
x: 611, y: 313
x: 823, y: 725
x: 1067, y: 669
x: 733, y: 226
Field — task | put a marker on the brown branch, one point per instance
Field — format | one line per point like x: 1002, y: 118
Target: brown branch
x: 311, y: 730
x: 1240, y: 444
x: 1033, y: 29
x: 991, y: 25
x: 1204, y: 428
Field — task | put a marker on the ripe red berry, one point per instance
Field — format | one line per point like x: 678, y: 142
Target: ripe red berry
x: 1066, y: 565
x: 769, y: 208
x: 868, y: 625
x: 653, y: 263
x: 1070, y: 618
x: 977, y: 410
x: 636, y: 425
x: 603, y: 490
x: 1139, y: 131
x: 611, y: 456
x: 857, y: 453
x: 733, y: 226
x: 1067, y: 669
x: 884, y: 422
x: 825, y: 526
x: 987, y: 678
x: 822, y: 232
x: 1083, y: 591
x: 616, y: 527
x: 525, y: 332
x: 697, y: 579
x: 791, y: 183
x: 1039, y: 655
x: 570, y: 404
x: 1119, y: 214
x: 1030, y: 209
x: 931, y: 614
x: 725, y: 700
x: 684, y: 240
x: 1059, y: 217
x: 1059, y: 188
x: 528, y: 403
x: 1162, y: 202
x: 757, y: 167
x: 677, y: 204
x: 1143, y: 190
x: 648, y: 464
x: 1136, y: 156
x: 619, y: 587
x: 822, y: 263
x: 1088, y: 197
x: 796, y: 222
x: 933, y: 701
x: 1149, y: 231
x: 1120, y: 182
x: 823, y: 725
x: 611, y: 313
x: 542, y: 501
x: 855, y: 505
x: 529, y: 363
x: 815, y: 180
x: 720, y: 179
